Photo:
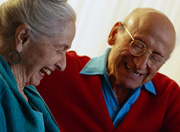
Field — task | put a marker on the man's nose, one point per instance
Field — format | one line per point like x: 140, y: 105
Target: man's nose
x: 141, y: 62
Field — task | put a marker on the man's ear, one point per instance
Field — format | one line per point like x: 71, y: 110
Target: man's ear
x: 21, y: 36
x: 114, y: 31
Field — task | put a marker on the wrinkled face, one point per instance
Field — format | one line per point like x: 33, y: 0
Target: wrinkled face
x: 40, y: 59
x: 132, y: 71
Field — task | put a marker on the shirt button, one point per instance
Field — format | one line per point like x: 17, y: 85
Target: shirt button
x: 114, y: 108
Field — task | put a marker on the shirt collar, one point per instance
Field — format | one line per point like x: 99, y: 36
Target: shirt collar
x: 97, y: 66
x: 150, y: 87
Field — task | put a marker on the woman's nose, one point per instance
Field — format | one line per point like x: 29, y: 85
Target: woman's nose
x: 61, y: 64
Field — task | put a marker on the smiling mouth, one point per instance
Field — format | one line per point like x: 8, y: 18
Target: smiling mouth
x: 131, y: 70
x: 44, y: 71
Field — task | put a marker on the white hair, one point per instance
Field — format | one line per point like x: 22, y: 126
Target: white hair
x: 47, y: 17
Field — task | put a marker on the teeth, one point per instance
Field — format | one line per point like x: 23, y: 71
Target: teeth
x: 129, y: 68
x: 42, y: 73
x: 47, y: 71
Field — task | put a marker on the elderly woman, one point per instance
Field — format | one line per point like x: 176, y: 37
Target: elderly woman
x: 34, y: 37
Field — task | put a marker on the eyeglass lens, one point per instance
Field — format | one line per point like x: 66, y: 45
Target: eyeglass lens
x: 137, y: 48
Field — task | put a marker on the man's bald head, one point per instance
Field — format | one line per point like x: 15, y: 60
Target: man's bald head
x: 153, y: 21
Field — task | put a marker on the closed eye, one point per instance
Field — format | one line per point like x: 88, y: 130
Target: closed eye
x: 59, y: 51
x: 156, y: 58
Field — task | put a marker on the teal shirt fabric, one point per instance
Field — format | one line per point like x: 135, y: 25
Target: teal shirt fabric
x: 97, y: 66
x: 39, y: 117
x: 16, y: 114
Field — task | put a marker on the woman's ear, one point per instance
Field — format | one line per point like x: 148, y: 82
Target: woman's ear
x: 21, y: 36
x: 114, y: 31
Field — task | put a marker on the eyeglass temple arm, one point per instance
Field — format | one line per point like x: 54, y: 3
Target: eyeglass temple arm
x: 128, y: 32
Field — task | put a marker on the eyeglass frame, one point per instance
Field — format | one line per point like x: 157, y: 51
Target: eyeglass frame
x: 163, y: 60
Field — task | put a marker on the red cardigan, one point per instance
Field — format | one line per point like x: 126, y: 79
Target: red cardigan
x: 77, y: 102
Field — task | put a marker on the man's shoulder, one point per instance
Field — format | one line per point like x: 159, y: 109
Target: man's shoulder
x: 163, y: 79
x: 73, y: 54
x: 74, y: 59
x: 163, y: 83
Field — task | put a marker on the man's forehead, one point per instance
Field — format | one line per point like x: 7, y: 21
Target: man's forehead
x: 152, y: 21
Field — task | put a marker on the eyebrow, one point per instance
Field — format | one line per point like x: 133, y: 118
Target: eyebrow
x: 64, y: 46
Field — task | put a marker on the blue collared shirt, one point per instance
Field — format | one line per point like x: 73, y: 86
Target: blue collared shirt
x: 97, y: 66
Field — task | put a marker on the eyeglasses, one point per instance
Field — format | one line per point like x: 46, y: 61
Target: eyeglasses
x: 138, y: 48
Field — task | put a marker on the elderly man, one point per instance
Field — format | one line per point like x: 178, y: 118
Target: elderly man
x: 120, y: 91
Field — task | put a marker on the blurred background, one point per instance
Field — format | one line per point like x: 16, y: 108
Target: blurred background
x: 95, y: 18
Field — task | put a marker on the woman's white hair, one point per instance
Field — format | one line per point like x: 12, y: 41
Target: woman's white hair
x: 47, y: 17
